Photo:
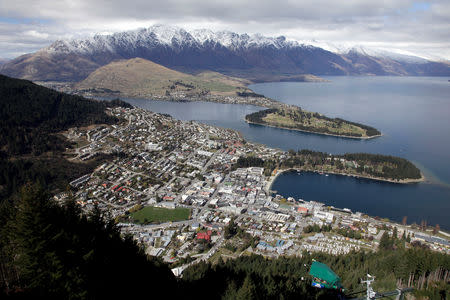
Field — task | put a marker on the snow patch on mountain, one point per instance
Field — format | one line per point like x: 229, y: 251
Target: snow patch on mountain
x: 169, y: 36
x: 176, y: 37
x: 379, y: 52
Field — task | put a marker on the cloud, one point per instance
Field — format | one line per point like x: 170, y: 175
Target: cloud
x: 406, y: 25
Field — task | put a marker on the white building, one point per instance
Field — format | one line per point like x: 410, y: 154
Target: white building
x: 324, y: 215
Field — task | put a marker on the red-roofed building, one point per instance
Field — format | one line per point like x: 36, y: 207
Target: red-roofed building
x: 204, y: 235
x: 302, y: 210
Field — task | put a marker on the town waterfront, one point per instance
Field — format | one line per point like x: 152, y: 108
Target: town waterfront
x: 411, y: 112
x: 376, y: 198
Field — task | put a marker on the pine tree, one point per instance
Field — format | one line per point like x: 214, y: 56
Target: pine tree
x: 231, y: 229
x: 395, y: 233
x: 61, y: 253
x: 247, y: 290
x: 408, y: 238
x: 386, y: 242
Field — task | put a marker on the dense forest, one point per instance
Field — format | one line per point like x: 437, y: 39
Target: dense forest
x: 52, y: 172
x: 299, y: 116
x: 53, y: 251
x: 256, y: 277
x: 252, y: 161
x: 366, y: 164
x: 249, y: 161
x: 30, y: 115
x: 30, y: 147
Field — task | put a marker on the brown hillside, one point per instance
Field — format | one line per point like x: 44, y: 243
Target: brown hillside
x: 138, y: 77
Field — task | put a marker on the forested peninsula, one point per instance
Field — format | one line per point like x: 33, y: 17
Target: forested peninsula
x: 295, y: 118
x: 372, y: 166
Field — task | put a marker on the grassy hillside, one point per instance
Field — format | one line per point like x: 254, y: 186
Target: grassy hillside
x: 138, y: 77
x: 298, y: 119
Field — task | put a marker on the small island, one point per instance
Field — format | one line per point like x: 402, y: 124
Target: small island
x: 295, y: 118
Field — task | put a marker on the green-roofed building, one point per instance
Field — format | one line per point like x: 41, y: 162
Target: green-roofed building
x: 324, y: 277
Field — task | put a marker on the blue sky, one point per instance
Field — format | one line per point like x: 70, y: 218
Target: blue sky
x: 410, y: 27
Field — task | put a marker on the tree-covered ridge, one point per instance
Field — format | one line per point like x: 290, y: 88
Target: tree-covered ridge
x: 296, y: 118
x: 363, y: 164
x: 54, y: 251
x: 30, y: 118
x: 253, y: 277
x: 53, y: 173
x: 31, y: 114
x: 256, y: 277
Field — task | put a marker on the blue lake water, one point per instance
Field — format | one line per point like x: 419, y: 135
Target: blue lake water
x: 411, y: 112
x: 388, y: 200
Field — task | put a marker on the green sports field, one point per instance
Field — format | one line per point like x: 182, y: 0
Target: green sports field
x: 151, y: 214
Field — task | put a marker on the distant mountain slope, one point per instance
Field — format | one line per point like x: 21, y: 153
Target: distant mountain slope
x: 44, y: 65
x: 254, y: 57
x: 138, y: 77
x: 383, y: 64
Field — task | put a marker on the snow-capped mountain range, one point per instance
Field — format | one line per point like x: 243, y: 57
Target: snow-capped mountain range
x: 174, y: 37
x: 169, y: 36
x: 345, y: 48
x: 255, y: 57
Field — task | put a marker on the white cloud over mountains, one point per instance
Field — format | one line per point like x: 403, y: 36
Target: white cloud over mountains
x: 415, y: 27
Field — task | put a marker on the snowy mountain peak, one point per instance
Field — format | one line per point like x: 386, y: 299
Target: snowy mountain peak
x: 177, y: 38
x: 349, y: 48
x: 170, y: 36
x: 255, y: 56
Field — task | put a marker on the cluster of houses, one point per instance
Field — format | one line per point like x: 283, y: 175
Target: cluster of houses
x: 168, y: 163
x: 334, y: 245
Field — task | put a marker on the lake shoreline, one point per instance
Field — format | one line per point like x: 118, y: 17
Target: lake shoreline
x: 273, y: 178
x: 314, y: 132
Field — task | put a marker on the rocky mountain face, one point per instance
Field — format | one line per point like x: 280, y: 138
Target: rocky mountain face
x: 254, y: 57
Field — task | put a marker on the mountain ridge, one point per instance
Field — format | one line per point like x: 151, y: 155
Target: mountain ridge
x: 253, y: 57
